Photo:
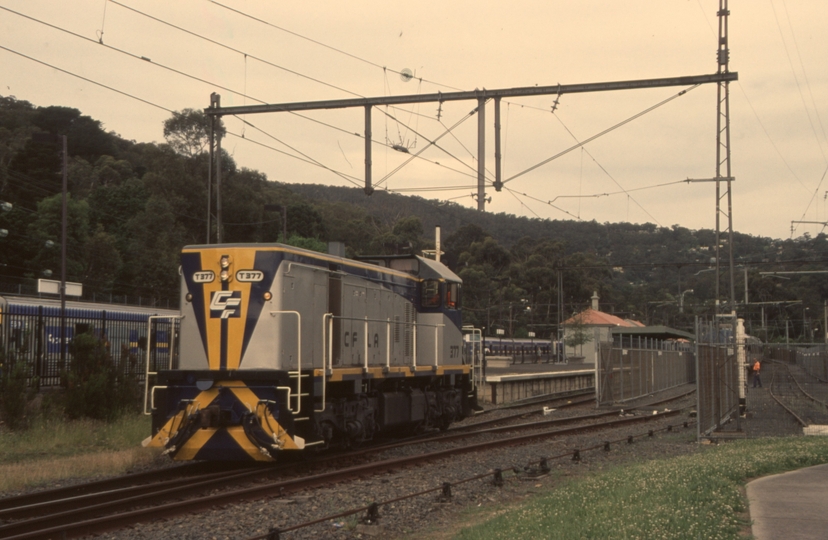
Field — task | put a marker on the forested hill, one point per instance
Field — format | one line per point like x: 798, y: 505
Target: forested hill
x: 607, y: 239
x: 133, y: 205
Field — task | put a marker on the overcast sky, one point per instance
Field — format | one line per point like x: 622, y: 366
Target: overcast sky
x: 302, y: 51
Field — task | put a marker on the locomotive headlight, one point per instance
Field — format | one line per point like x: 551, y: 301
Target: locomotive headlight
x: 225, y: 261
x: 267, y: 296
x: 225, y: 275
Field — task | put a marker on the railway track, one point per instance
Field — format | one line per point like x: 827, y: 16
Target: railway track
x: 108, y: 505
x: 799, y: 393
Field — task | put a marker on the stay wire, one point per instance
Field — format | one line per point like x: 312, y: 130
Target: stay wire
x: 813, y: 197
x: 549, y: 203
x: 430, y: 143
x: 522, y: 204
x: 307, y: 157
x: 611, y: 177
x: 601, y: 134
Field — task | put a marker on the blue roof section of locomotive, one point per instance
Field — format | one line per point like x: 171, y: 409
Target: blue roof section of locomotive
x: 428, y: 269
x: 431, y: 269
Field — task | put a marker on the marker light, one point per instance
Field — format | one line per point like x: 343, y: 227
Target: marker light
x: 189, y: 297
x: 267, y: 296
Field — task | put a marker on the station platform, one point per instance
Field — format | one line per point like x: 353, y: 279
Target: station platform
x: 790, y: 506
x: 506, y: 382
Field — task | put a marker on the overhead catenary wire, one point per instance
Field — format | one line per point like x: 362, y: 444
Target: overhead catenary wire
x: 611, y: 177
x: 91, y: 81
x: 601, y: 134
x: 244, y: 93
x: 155, y: 105
x: 545, y: 202
x: 796, y: 80
x: 211, y: 83
x: 317, y: 42
x: 431, y: 142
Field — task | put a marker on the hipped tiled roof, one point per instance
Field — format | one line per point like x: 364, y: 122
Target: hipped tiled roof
x: 599, y: 318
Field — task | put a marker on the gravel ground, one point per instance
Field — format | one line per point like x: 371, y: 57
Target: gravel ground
x: 427, y: 515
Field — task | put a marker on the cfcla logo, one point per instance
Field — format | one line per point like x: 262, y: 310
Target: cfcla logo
x: 225, y: 305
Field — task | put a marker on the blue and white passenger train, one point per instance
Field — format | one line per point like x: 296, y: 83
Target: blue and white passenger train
x: 31, y: 329
x: 283, y: 349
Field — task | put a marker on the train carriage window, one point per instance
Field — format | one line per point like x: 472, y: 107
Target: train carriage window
x: 431, y: 293
x: 453, y: 296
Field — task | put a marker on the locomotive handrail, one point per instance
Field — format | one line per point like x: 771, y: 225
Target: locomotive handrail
x: 298, y: 371
x: 327, y: 338
x: 328, y: 354
x: 476, y: 346
x: 147, y: 371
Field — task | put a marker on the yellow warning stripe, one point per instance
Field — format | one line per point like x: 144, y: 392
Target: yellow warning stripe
x: 267, y: 421
x: 201, y: 401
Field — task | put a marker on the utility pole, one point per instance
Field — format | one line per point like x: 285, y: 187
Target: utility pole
x: 64, y: 223
x: 48, y: 138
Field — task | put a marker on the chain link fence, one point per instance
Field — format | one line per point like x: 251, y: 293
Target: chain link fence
x: 634, y: 367
x: 717, y: 379
x: 813, y: 358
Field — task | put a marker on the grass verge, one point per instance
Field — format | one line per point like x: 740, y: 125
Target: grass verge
x: 51, y: 451
x: 696, y: 496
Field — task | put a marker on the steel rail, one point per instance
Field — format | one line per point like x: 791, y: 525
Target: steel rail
x: 68, y: 527
x: 779, y: 401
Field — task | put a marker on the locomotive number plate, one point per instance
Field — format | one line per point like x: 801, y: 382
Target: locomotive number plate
x: 207, y: 276
x: 246, y: 276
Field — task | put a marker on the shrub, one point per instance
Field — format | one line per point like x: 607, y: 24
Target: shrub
x: 97, y: 387
x: 14, y: 393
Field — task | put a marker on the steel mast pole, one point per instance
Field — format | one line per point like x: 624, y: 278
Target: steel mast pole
x: 723, y: 156
x: 481, y: 153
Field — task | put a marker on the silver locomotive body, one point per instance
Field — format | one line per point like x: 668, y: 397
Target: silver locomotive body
x: 283, y: 348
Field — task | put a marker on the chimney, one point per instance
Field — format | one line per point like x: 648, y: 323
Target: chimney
x: 595, y: 300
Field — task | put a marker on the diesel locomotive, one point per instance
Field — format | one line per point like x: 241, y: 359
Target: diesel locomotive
x: 282, y: 348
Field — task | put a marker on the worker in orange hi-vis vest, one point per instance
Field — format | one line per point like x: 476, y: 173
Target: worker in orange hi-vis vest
x: 756, y: 379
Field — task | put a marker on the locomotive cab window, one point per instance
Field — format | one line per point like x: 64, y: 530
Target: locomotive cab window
x: 431, y: 293
x: 453, y: 295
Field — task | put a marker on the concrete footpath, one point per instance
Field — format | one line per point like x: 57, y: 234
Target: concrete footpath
x: 790, y: 506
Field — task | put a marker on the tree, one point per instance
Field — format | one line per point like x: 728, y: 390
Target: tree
x: 188, y: 132
x: 460, y: 241
x: 45, y: 232
x: 576, y: 333
x: 102, y: 262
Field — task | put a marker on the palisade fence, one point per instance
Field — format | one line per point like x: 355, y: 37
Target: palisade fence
x: 31, y: 335
x: 717, y: 387
x: 629, y: 368
x: 813, y: 358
